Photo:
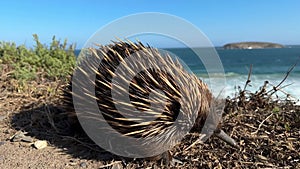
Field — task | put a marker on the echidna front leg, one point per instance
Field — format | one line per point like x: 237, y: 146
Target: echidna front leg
x: 166, y: 158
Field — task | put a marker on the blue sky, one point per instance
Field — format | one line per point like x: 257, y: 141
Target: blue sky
x: 221, y: 21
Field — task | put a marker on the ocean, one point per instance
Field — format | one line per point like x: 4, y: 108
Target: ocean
x: 269, y: 65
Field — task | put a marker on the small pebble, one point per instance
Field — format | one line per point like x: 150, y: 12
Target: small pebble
x: 2, y: 143
x: 83, y: 164
x: 2, y: 118
x: 1, y: 158
x: 40, y: 144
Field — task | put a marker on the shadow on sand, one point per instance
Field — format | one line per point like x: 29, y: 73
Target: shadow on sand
x: 50, y: 123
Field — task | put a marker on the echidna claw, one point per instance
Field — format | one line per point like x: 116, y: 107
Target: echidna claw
x: 174, y: 160
x: 223, y: 136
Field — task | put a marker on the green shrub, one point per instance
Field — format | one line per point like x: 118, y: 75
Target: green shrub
x: 53, y: 62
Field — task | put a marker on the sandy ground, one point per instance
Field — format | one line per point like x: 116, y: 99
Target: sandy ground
x: 267, y: 133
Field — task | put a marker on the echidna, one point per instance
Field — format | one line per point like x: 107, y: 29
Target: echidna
x: 135, y: 101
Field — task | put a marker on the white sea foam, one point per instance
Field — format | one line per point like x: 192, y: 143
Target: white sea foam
x: 292, y: 85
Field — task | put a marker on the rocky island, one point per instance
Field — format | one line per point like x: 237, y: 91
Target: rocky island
x: 252, y: 45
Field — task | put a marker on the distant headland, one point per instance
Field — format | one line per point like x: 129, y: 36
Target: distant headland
x: 252, y: 45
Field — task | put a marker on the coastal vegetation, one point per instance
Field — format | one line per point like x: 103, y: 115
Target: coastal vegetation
x: 40, y: 62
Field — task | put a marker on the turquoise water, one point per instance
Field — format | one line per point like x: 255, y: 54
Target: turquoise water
x: 268, y: 65
x: 238, y: 61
